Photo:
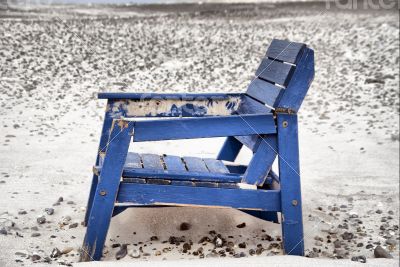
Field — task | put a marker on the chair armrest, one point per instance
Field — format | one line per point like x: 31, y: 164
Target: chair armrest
x: 171, y: 105
x: 166, y: 96
x: 190, y: 128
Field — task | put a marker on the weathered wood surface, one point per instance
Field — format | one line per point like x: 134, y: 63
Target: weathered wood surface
x: 174, y: 107
x: 289, y: 175
x: 262, y: 161
x: 144, y: 194
x: 265, y: 92
x: 286, y: 51
x: 275, y: 71
x: 300, y: 82
x: 106, y: 191
x: 187, y: 128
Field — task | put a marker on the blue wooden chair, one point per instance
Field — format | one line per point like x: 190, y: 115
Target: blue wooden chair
x: 263, y: 119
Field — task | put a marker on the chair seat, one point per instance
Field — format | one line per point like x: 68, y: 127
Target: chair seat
x: 175, y: 170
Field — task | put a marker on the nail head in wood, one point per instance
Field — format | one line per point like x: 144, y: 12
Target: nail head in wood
x: 103, y: 193
x: 285, y: 124
x: 294, y: 202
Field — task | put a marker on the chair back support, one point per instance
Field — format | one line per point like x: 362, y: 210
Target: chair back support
x: 284, y: 76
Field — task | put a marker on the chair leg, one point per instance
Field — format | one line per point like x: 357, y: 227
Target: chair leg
x: 230, y: 149
x: 106, y: 192
x: 288, y: 150
x: 105, y: 133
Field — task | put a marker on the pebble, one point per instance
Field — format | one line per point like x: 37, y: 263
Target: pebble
x: 66, y: 220
x: 121, y: 253
x: 35, y: 257
x: 55, y: 253
x: 218, y: 242
x: 157, y: 253
x: 73, y: 225
x: 60, y: 199
x: 242, y: 245
x: 22, y: 212
x: 242, y: 225
x: 240, y: 255
x: 3, y: 231
x: 49, y: 211
x: 184, y: 226
x: 134, y: 253
x: 380, y: 252
x: 41, y: 219
x: 187, y: 246
x: 361, y: 259
x: 313, y: 254
x: 70, y: 202
x: 347, y: 236
x: 154, y: 238
x: 35, y: 234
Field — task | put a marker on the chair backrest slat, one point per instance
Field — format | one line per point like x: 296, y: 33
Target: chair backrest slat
x: 285, y: 51
x: 264, y: 92
x: 274, y: 71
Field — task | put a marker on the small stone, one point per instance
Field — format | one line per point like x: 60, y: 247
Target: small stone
x: 340, y: 253
x: 380, y: 252
x: 73, y: 225
x: 242, y: 225
x: 41, y: 219
x: 379, y: 211
x: 55, y: 253
x: 218, y: 242
x: 134, y: 253
x: 347, y: 236
x: 60, y: 199
x: 157, y: 253
x: 35, y: 234
x: 49, y: 211
x: 66, y: 220
x: 22, y: 212
x: 187, y: 246
x: 35, y: 257
x: 318, y: 243
x: 259, y: 250
x: 313, y: 254
x: 369, y: 246
x: 252, y: 252
x: 242, y: 245
x: 3, y: 231
x: 70, y: 202
x: 361, y: 259
x: 115, y: 245
x: 360, y: 245
x: 121, y: 253
x: 154, y: 238
x: 184, y: 226
x: 318, y: 238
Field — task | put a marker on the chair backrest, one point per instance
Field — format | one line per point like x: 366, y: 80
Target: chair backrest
x: 284, y: 76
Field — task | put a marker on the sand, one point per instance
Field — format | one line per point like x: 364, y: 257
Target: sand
x: 54, y: 61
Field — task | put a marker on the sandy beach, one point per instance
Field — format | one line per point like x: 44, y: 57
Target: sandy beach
x: 53, y: 61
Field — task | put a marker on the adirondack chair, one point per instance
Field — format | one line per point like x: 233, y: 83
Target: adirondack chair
x: 263, y: 119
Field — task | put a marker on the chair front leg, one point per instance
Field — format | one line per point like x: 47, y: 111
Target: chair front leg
x: 289, y: 173
x: 105, y: 133
x: 106, y: 191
